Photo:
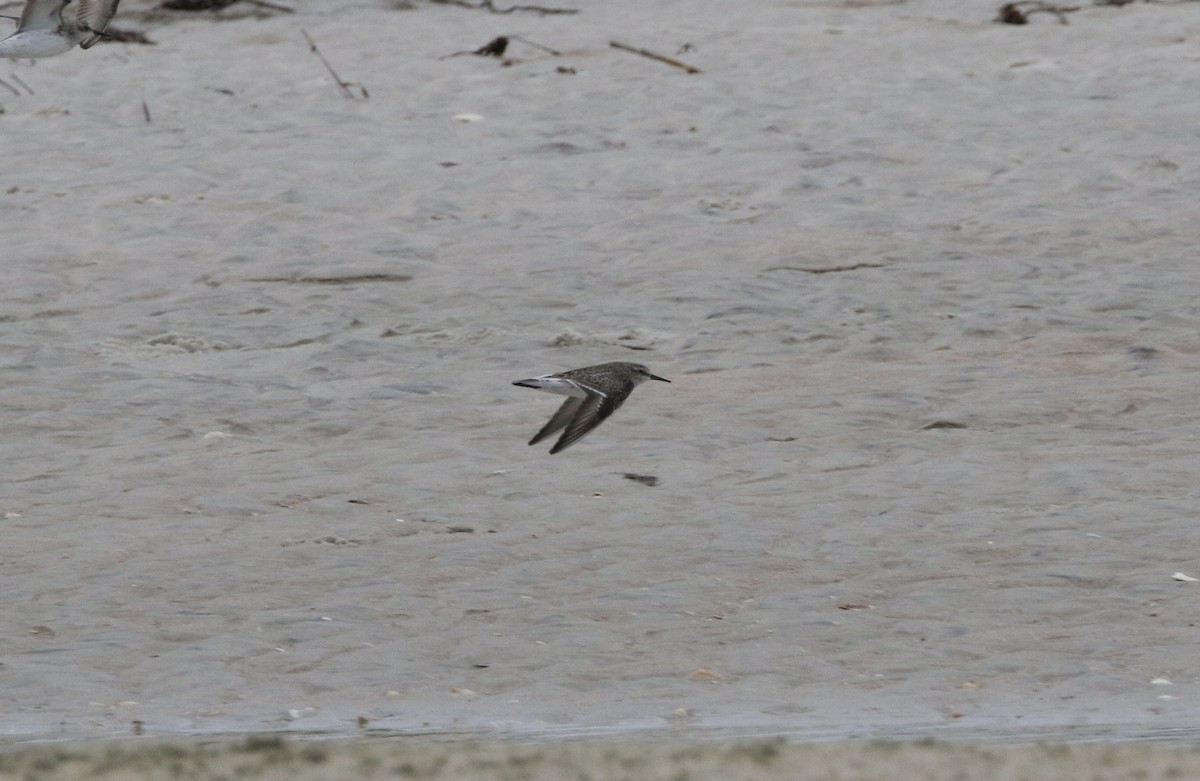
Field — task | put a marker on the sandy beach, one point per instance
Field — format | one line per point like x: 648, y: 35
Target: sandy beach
x: 925, y: 286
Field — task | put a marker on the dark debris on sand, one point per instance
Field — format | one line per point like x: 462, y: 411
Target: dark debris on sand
x: 116, y: 35
x: 217, y: 5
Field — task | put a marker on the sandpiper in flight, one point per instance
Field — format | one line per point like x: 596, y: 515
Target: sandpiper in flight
x: 43, y: 31
x: 594, y: 393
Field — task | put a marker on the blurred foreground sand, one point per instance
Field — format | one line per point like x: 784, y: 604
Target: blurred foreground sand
x: 269, y: 758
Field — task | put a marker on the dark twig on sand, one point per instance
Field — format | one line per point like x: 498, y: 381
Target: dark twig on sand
x: 21, y: 83
x: 825, y: 269
x: 344, y: 86
x: 272, y: 6
x: 1014, y: 13
x: 493, y: 48
x: 217, y: 5
x: 10, y: 88
x: 497, y: 46
x: 527, y: 42
x: 116, y: 35
x: 146, y: 112
x: 487, y: 5
x: 195, y: 5
x: 653, y: 56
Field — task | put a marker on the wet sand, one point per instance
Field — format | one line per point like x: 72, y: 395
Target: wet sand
x: 924, y: 285
x: 269, y: 758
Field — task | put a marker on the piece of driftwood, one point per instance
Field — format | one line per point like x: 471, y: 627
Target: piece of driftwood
x: 655, y: 56
x: 217, y: 5
x: 117, y: 35
x: 534, y: 44
x: 343, y: 85
x: 1018, y: 12
x: 499, y: 45
x: 487, y: 5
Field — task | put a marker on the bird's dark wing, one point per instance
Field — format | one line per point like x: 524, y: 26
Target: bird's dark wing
x: 95, y: 15
x: 560, y: 419
x: 594, y: 410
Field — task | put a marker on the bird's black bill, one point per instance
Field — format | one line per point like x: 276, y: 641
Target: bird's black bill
x: 660, y: 379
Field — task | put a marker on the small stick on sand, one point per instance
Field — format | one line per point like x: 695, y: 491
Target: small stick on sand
x: 10, y: 87
x: 272, y: 6
x: 825, y: 269
x: 146, y: 112
x: 217, y: 5
x: 1012, y: 13
x: 343, y: 85
x: 115, y: 35
x: 653, y: 56
x: 21, y: 84
x: 493, y: 48
x: 528, y: 42
x: 497, y: 46
x: 487, y: 5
